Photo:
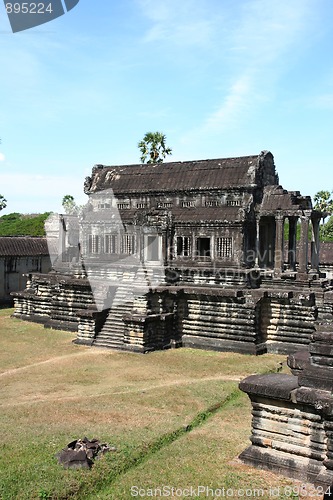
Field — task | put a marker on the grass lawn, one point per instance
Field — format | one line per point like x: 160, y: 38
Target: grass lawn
x: 176, y: 418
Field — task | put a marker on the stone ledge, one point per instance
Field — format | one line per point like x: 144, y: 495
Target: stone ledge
x: 319, y: 399
x: 273, y: 386
x: 224, y: 345
x: 317, y: 377
x: 295, y: 467
x: 282, y: 347
x: 215, y: 290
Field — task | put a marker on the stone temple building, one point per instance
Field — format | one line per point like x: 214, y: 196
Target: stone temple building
x: 186, y: 254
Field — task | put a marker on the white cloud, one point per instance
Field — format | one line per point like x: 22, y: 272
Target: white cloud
x: 234, y: 103
x: 260, y: 43
x: 268, y: 28
x: 185, y: 23
x: 2, y: 157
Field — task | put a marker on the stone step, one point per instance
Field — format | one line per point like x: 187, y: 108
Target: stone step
x: 112, y: 333
x: 109, y: 344
x: 109, y: 338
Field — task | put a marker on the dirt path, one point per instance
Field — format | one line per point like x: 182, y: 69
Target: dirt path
x: 142, y: 390
x: 55, y: 359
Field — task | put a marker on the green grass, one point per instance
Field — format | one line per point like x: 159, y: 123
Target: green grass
x: 176, y: 417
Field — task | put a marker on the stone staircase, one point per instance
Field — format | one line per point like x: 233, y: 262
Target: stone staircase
x: 112, y: 332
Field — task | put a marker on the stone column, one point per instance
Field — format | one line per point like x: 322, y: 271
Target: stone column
x: 212, y: 248
x: 62, y: 237
x: 315, y: 245
x: 257, y: 248
x: 303, y: 247
x: 292, y: 243
x: 170, y: 246
x: 194, y: 247
x: 279, y: 250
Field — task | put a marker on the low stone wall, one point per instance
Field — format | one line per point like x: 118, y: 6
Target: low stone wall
x: 55, y: 300
x: 130, y: 317
x: 288, y: 437
x: 287, y: 320
x: 219, y: 319
x: 292, y: 415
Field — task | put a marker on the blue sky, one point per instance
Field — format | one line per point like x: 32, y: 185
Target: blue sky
x: 220, y: 78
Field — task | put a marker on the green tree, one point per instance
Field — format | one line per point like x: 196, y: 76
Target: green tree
x: 153, y: 146
x: 3, y: 202
x: 324, y: 202
x: 69, y: 205
x: 326, y: 230
x: 16, y: 224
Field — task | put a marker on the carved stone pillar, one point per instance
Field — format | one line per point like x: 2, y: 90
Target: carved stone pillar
x: 303, y: 247
x: 257, y: 244
x: 279, y: 250
x: 315, y: 245
x: 62, y: 237
x: 292, y: 243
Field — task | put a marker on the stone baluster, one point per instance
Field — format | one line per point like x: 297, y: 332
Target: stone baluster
x: 279, y: 253
x: 315, y: 245
x: 257, y: 247
x: 292, y: 243
x: 303, y: 247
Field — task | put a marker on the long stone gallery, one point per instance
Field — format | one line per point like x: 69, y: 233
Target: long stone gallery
x: 198, y: 254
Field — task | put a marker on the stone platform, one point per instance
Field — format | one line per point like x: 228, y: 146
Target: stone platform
x: 292, y: 415
x: 130, y: 317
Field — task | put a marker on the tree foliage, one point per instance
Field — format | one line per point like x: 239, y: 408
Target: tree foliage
x: 69, y: 205
x: 153, y: 148
x: 3, y: 202
x: 324, y: 202
x: 16, y: 224
x: 326, y: 230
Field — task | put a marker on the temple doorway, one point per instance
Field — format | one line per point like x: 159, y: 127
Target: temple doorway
x: 266, y: 242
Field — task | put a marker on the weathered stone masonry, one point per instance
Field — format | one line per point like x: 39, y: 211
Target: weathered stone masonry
x: 187, y: 253
x: 292, y: 415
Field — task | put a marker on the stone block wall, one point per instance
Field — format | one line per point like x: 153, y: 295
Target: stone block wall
x: 287, y: 320
x: 54, y: 300
x: 131, y: 316
x: 219, y: 320
x: 292, y: 415
x: 292, y: 429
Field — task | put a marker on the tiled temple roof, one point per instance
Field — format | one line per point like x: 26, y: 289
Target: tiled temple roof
x: 276, y: 198
x: 224, y: 173
x: 22, y: 246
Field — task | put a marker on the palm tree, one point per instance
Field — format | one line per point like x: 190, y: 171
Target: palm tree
x: 69, y: 205
x: 3, y: 202
x: 324, y: 203
x: 153, y: 147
